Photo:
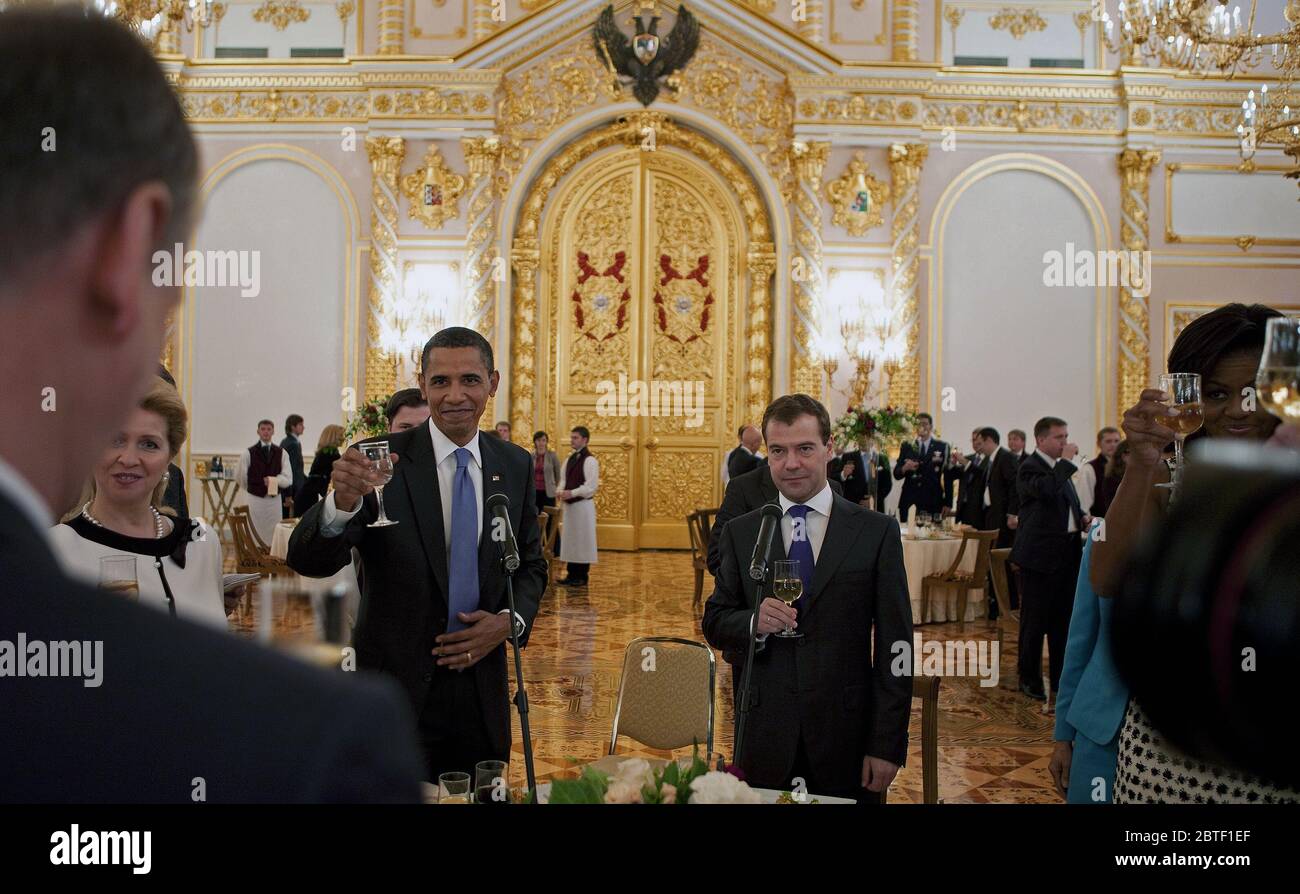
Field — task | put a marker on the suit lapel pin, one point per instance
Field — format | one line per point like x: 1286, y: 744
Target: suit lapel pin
x: 496, y: 477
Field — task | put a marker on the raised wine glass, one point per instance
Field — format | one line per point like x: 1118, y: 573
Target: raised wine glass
x: 1184, y: 390
x: 382, y: 464
x: 1278, y: 379
x: 117, y: 576
x: 787, y: 586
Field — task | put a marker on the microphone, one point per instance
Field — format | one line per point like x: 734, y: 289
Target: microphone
x: 766, y: 531
x: 499, y: 506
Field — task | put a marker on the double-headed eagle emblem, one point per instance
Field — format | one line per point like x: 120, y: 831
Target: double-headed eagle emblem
x: 646, y: 57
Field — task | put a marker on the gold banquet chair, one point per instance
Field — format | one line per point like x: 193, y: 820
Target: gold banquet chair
x: 666, y: 694
x: 699, y: 523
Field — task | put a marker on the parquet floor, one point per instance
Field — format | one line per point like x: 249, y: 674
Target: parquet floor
x: 994, y: 744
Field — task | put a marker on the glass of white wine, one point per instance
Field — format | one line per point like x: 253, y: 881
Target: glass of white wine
x: 453, y: 788
x: 382, y: 463
x: 1278, y: 379
x: 1184, y: 390
x: 117, y: 576
x: 787, y: 586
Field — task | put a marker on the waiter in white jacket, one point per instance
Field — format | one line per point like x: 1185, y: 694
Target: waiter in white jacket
x: 581, y: 478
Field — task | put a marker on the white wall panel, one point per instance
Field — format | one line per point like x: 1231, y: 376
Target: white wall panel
x: 281, y: 352
x: 1013, y: 349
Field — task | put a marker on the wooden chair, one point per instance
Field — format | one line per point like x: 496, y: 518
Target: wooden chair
x: 249, y: 559
x: 1008, y: 621
x: 927, y: 690
x: 257, y: 538
x: 549, y: 522
x: 699, y: 523
x: 954, y: 579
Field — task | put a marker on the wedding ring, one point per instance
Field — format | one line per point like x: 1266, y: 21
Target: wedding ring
x: 469, y: 656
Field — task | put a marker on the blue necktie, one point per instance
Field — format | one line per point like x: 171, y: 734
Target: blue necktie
x: 801, y: 550
x: 462, y: 589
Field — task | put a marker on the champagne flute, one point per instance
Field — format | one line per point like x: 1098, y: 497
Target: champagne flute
x: 382, y: 463
x: 1278, y: 379
x: 453, y: 788
x: 1184, y: 390
x: 491, y: 783
x: 787, y: 586
x: 117, y: 575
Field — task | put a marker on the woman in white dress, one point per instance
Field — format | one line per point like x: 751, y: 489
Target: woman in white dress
x: 177, y: 560
x: 581, y: 480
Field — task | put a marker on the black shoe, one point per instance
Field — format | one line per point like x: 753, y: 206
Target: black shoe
x: 571, y: 582
x: 1036, y: 694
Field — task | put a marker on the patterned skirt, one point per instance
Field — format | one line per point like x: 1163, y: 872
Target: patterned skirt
x: 1151, y: 771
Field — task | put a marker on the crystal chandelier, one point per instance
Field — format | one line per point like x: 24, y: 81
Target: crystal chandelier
x: 1206, y: 37
x: 150, y: 18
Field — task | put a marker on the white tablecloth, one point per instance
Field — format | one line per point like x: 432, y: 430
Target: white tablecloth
x: 347, y: 576
x: 922, y: 557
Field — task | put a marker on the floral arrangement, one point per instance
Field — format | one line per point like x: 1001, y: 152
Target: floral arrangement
x: 884, y: 425
x: 368, y: 421
x: 635, y: 782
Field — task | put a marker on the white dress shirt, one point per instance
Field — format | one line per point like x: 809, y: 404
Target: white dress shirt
x: 1071, y: 526
x: 1085, y: 485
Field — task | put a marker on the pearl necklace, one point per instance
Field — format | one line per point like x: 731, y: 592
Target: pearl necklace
x: 160, y: 529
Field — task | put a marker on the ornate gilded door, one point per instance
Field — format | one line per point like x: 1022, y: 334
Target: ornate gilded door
x: 640, y: 266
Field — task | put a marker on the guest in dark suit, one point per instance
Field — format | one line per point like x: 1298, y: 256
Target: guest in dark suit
x: 852, y: 470
x: 998, y: 486
x: 745, y: 458
x: 433, y: 603
x: 745, y: 494
x: 1048, y: 548
x: 180, y: 713
x: 405, y: 409
x: 825, y: 708
x: 920, y: 467
x: 292, y: 447
x: 967, y: 472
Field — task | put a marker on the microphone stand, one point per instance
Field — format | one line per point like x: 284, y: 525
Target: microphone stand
x: 742, y: 709
x: 521, y: 695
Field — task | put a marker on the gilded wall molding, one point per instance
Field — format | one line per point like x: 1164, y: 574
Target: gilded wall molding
x: 905, y: 163
x: 1134, y: 311
x: 481, y: 156
x: 904, y: 31
x: 857, y: 197
x: 433, y: 192
x: 809, y: 279
x: 386, y: 155
x: 392, y: 27
x: 525, y: 250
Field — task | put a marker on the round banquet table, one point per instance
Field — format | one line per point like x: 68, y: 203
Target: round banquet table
x: 346, y: 576
x: 922, y: 557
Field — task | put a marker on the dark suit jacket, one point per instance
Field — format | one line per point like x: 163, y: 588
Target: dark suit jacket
x: 741, y: 461
x: 317, y: 482
x: 970, y: 506
x: 404, y: 601
x: 744, y: 494
x: 1042, y: 542
x: 1002, y: 488
x: 178, y: 701
x: 857, y: 484
x: 825, y: 686
x: 293, y: 449
x: 926, y: 487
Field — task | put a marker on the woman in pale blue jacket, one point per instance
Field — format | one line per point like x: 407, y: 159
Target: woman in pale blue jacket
x: 1090, y: 701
